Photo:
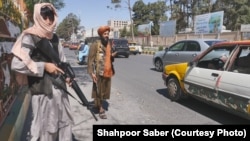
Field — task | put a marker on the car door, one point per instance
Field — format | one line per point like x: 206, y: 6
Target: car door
x: 190, y: 51
x: 171, y: 56
x: 201, y: 82
x: 201, y: 78
x: 233, y: 91
x: 234, y: 84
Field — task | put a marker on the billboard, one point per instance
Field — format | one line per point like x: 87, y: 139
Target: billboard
x: 209, y: 23
x: 168, y: 28
x: 145, y: 29
x: 245, y: 28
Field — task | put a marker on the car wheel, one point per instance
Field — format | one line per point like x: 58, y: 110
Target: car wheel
x: 174, y: 89
x: 158, y: 65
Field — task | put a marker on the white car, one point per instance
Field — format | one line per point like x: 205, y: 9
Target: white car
x: 134, y: 48
x: 220, y: 76
x: 181, y: 51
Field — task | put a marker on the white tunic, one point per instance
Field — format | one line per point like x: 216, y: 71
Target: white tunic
x: 50, y: 114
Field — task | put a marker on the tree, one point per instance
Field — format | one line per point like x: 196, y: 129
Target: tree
x: 123, y: 32
x: 235, y: 12
x: 141, y: 13
x: 68, y: 26
x: 11, y: 12
x: 157, y: 15
x: 117, y: 4
x: 144, y: 14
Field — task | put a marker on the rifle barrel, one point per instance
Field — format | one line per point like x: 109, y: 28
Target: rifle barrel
x: 82, y: 97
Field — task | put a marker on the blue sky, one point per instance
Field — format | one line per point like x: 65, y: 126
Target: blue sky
x: 94, y: 13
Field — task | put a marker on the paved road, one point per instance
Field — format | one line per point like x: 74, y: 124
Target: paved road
x: 83, y: 119
x: 138, y: 96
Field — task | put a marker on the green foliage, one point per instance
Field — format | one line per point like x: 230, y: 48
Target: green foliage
x: 144, y: 13
x: 142, y: 46
x: 123, y: 32
x: 141, y: 11
x: 236, y: 12
x: 69, y: 25
x: 11, y: 11
x: 160, y: 48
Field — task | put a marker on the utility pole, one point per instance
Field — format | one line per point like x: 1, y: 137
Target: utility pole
x: 72, y: 36
x: 131, y: 20
x: 117, y: 3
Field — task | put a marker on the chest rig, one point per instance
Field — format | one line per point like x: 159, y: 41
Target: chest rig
x: 100, y: 58
x: 41, y: 85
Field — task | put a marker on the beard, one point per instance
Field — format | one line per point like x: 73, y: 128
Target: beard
x: 104, y: 41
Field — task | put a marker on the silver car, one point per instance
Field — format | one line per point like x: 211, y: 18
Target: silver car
x: 182, y: 51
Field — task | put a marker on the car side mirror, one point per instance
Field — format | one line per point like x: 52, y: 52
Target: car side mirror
x: 190, y: 63
x: 166, y: 49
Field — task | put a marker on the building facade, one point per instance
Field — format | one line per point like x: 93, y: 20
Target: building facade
x: 115, y: 25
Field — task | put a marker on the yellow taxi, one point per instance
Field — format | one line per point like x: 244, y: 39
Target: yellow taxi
x: 173, y: 76
x: 219, y: 76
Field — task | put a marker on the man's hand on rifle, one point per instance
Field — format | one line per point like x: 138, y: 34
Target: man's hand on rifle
x: 53, y: 69
x: 68, y: 81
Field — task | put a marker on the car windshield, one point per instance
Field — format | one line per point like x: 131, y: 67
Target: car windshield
x: 132, y: 44
x: 217, y: 53
x: 221, y: 54
x: 120, y: 42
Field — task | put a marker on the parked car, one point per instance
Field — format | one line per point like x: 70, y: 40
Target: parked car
x: 66, y: 44
x: 181, y: 51
x: 74, y: 46
x: 220, y: 77
x: 121, y: 47
x: 134, y: 48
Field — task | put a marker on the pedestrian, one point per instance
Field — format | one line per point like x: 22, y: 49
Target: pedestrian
x: 100, y: 68
x: 52, y: 118
x: 83, y: 53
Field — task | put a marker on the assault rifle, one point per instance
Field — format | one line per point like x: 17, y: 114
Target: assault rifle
x: 45, y: 47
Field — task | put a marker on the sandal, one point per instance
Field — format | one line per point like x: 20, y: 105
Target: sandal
x: 102, y: 115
